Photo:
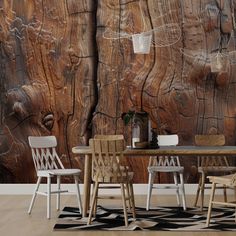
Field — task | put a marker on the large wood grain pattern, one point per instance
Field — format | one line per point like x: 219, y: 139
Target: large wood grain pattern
x: 48, y: 66
x: 59, y: 75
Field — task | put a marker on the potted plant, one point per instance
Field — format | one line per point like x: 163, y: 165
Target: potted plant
x: 140, y: 126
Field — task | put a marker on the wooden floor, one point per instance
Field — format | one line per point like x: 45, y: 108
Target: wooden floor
x: 15, y: 221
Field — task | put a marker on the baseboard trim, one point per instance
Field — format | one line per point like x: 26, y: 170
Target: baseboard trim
x: 139, y: 189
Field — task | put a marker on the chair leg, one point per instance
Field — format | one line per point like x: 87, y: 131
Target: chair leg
x: 225, y: 193
x: 202, y: 190
x: 198, y: 191
x: 150, y: 186
x: 76, y: 178
x: 235, y: 215
x: 34, y: 194
x: 124, y: 204
x: 132, y: 199
x: 58, y: 189
x: 96, y: 202
x: 127, y: 187
x: 235, y: 200
x: 177, y: 188
x: 183, y: 190
x: 93, y: 203
x: 210, y: 203
x: 48, y: 197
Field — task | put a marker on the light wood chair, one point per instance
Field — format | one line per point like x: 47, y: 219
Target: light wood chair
x: 107, y: 168
x: 48, y: 165
x: 109, y: 136
x: 227, y: 180
x: 170, y: 164
x: 210, y: 164
x: 115, y: 137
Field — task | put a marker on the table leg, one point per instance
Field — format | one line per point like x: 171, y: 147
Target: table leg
x: 87, y: 184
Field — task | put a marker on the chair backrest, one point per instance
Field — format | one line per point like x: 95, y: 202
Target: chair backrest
x: 168, y: 140
x: 106, y: 158
x: 211, y: 140
x: 166, y: 161
x: 109, y: 136
x: 44, y: 153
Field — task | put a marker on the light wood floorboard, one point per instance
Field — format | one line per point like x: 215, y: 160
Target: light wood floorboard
x: 15, y: 221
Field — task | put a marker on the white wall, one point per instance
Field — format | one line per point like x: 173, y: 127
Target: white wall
x: 139, y: 189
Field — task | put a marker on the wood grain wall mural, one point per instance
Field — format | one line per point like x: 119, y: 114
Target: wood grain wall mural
x: 68, y: 68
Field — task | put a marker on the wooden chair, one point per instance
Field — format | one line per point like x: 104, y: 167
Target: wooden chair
x: 47, y: 165
x: 114, y: 137
x: 109, y: 136
x: 170, y: 164
x: 227, y: 180
x: 107, y: 168
x: 210, y: 164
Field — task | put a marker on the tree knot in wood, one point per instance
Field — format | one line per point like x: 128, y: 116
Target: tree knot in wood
x: 48, y: 121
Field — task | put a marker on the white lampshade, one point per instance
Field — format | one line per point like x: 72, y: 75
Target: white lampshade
x: 219, y: 62
x: 142, y: 43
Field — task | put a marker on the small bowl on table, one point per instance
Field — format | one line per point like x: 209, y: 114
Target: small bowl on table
x: 141, y: 144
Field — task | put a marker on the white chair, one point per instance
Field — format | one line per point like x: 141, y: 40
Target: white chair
x: 169, y: 164
x: 48, y: 164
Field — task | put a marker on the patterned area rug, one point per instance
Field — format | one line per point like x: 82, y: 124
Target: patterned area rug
x: 160, y: 218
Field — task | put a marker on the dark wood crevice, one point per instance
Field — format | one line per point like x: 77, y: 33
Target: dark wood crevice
x: 93, y: 108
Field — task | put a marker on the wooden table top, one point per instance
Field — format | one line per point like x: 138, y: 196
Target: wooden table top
x: 169, y: 150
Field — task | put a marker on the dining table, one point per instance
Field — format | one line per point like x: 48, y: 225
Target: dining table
x: 184, y: 151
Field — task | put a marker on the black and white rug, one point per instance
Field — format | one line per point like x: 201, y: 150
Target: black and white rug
x: 160, y: 219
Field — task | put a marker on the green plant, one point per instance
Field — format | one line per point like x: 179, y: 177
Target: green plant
x: 127, y: 117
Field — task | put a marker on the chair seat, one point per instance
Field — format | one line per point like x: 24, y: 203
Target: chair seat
x: 61, y: 172
x: 122, y: 179
x: 226, y: 179
x: 165, y: 168
x: 216, y: 169
x: 130, y: 176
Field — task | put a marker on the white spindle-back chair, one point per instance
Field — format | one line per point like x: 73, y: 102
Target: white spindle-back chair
x: 169, y: 164
x: 48, y: 164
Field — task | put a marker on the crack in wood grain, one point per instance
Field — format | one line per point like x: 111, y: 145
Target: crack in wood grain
x: 93, y: 107
x: 124, y: 2
x: 106, y: 115
x: 152, y: 64
x: 81, y: 12
x: 18, y: 124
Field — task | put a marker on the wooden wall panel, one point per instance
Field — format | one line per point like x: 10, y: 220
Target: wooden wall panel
x: 59, y: 75
x: 48, y: 62
x: 174, y: 84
